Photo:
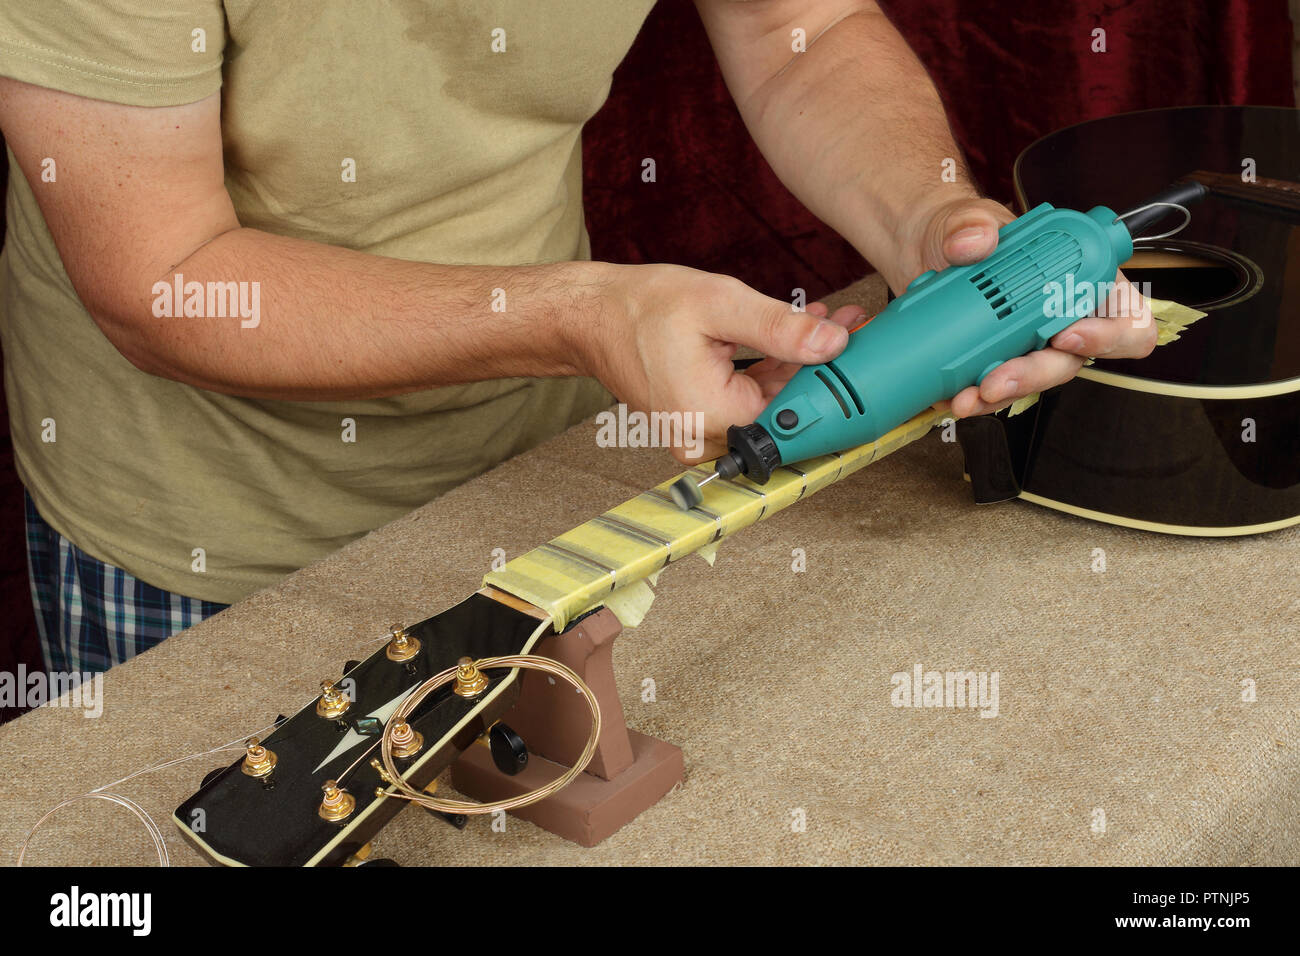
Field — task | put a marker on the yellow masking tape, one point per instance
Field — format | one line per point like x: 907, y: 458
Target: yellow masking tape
x: 631, y: 603
x: 1171, y: 319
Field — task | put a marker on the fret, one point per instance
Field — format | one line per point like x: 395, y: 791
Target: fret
x: 644, y: 534
x: 581, y: 553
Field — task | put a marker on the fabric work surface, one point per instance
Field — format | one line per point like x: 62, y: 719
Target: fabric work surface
x: 1121, y: 735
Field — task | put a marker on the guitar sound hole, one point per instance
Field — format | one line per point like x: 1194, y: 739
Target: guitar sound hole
x: 1196, y: 275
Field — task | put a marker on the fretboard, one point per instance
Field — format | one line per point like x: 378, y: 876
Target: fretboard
x: 581, y: 568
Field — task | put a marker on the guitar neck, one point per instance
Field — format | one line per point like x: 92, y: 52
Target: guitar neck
x: 581, y: 568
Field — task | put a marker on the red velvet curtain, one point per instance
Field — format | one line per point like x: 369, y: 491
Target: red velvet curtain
x: 1012, y: 72
x: 1008, y: 71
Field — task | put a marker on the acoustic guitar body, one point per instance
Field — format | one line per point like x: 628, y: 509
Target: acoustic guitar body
x: 1203, y: 436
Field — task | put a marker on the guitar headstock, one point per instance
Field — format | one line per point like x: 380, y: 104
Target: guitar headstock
x: 266, y: 808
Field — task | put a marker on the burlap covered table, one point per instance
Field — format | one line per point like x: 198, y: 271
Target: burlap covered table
x: 1121, y: 734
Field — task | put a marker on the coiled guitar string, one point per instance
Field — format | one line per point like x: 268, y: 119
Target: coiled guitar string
x: 159, y: 844
x: 526, y: 661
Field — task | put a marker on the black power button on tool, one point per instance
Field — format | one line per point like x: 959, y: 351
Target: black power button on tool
x: 787, y: 418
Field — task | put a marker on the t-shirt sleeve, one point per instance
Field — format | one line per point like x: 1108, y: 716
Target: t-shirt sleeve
x: 134, y: 52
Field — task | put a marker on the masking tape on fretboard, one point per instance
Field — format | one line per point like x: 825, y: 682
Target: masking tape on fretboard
x: 599, y: 561
x: 1171, y: 319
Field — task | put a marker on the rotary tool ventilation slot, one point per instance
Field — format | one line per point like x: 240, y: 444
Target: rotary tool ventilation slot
x: 838, y: 378
x: 1016, y: 281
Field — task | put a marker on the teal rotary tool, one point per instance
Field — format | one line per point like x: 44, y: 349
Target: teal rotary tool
x: 948, y: 330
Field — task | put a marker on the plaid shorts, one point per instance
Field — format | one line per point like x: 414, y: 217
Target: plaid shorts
x: 91, y: 615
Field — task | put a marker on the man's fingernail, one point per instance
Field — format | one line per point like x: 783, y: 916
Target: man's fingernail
x: 824, y: 336
x: 970, y: 232
x: 1006, y: 391
x: 1071, y: 342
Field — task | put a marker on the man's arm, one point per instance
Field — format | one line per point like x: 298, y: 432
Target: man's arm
x: 854, y: 127
x: 140, y: 196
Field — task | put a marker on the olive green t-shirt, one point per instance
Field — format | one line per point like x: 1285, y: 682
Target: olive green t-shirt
x: 460, y: 122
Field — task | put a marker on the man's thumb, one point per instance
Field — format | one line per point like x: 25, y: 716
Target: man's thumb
x: 781, y: 333
x: 967, y: 234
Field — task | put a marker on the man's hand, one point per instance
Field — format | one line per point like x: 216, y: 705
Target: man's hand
x: 964, y: 231
x: 667, y: 345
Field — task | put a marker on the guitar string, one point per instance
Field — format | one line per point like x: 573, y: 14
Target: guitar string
x: 102, y: 793
x: 405, y: 707
x: 344, y: 775
x: 159, y: 843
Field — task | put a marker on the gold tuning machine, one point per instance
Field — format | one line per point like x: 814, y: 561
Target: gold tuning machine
x: 407, y: 741
x: 402, y: 646
x: 333, y: 702
x: 336, y: 804
x: 470, y: 681
x: 258, y: 761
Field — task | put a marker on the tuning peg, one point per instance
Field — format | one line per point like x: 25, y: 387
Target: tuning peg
x: 337, y: 804
x: 258, y: 760
x: 470, y: 681
x: 407, y: 741
x: 402, y: 646
x: 333, y: 702
x: 508, y: 750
